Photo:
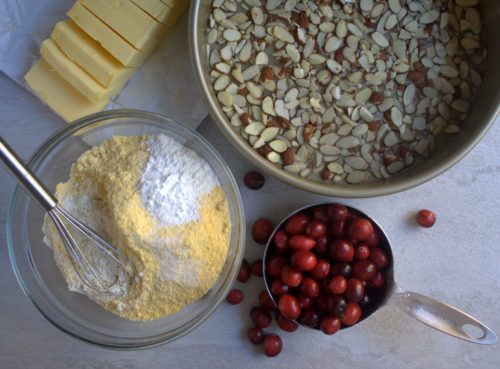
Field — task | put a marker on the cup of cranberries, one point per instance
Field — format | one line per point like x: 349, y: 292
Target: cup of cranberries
x: 327, y: 267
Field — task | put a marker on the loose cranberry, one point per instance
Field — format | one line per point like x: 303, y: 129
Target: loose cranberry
x: 281, y: 240
x: 352, y: 314
x: 290, y: 276
x: 315, y: 229
x: 343, y: 269
x: 321, y: 247
x: 244, y: 272
x: 341, y: 250
x: 363, y: 269
x: 337, y: 212
x: 261, y: 230
x: 289, y: 306
x: 336, y: 304
x: 355, y: 290
x: 309, y: 287
x: 278, y: 288
x: 359, y: 229
x: 310, y: 317
x: 266, y: 301
x: 321, y: 270
x: 286, y: 324
x: 256, y: 268
x: 379, y: 257
x: 304, y: 301
x: 301, y: 242
x: 426, y: 218
x: 329, y: 324
x: 254, y: 180
x: 337, y: 285
x: 234, y: 297
x: 297, y: 223
x: 274, y: 265
x: 260, y: 316
x: 373, y: 239
x: 320, y: 213
x: 272, y: 345
x: 255, y: 334
x: 303, y: 260
x: 337, y: 228
x: 361, y: 251
x: 377, y: 280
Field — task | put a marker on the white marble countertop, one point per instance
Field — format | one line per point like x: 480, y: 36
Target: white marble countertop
x: 456, y: 261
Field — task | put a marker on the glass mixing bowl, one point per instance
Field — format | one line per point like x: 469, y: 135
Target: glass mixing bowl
x: 33, y: 262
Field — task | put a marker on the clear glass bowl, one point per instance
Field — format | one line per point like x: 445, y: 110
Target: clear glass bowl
x: 33, y: 262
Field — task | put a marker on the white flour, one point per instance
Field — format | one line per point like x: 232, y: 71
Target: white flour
x: 172, y: 184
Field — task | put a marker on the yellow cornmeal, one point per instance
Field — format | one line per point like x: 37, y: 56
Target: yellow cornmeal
x: 176, y: 265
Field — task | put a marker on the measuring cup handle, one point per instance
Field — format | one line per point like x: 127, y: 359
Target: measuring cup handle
x: 442, y: 317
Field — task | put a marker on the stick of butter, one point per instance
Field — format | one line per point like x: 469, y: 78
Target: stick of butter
x: 58, y: 94
x: 90, y: 55
x: 177, y: 9
x: 128, y: 20
x: 117, y: 46
x: 154, y: 8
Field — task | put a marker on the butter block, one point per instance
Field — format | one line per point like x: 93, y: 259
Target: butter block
x: 177, y: 9
x: 128, y: 20
x: 90, y: 55
x: 74, y: 74
x: 58, y: 94
x: 117, y: 46
x: 154, y: 8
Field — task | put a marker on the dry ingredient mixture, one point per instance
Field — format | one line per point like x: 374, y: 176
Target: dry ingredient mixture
x: 345, y: 90
x: 162, y: 206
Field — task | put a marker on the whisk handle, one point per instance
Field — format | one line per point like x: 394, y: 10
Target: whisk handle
x: 25, y: 177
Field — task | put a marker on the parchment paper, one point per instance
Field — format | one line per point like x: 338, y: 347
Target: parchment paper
x: 164, y: 84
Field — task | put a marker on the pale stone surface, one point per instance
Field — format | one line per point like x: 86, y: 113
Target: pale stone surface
x: 456, y: 261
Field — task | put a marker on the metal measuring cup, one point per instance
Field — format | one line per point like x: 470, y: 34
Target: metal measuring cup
x: 429, y: 311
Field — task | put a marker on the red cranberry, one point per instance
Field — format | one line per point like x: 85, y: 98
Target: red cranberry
x: 301, y: 242
x: 355, y: 290
x: 315, y: 229
x: 337, y: 212
x: 286, y: 324
x: 278, y: 288
x: 363, y: 269
x: 310, y: 317
x: 336, y: 304
x: 321, y: 270
x: 303, y: 260
x: 359, y: 229
x: 260, y: 316
x: 343, y: 269
x: 426, y: 218
x: 256, y: 268
x: 261, y: 230
x: 266, y: 301
x: 297, y: 223
x: 281, y: 240
x: 304, y: 301
x: 254, y: 180
x: 274, y: 265
x: 321, y: 247
x: 377, y: 280
x: 329, y: 324
x: 289, y: 306
x: 361, y: 251
x: 320, y: 213
x: 373, y: 239
x: 341, y: 250
x: 321, y: 302
x: 234, y: 297
x: 352, y: 314
x: 290, y: 276
x: 309, y: 287
x: 337, y: 285
x: 244, y: 272
x: 337, y: 228
x: 379, y: 257
x: 255, y: 334
x: 272, y: 345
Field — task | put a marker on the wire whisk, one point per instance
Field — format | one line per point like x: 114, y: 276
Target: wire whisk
x: 91, y: 276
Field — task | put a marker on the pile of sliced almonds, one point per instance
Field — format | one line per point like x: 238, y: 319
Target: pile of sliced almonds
x: 348, y: 90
